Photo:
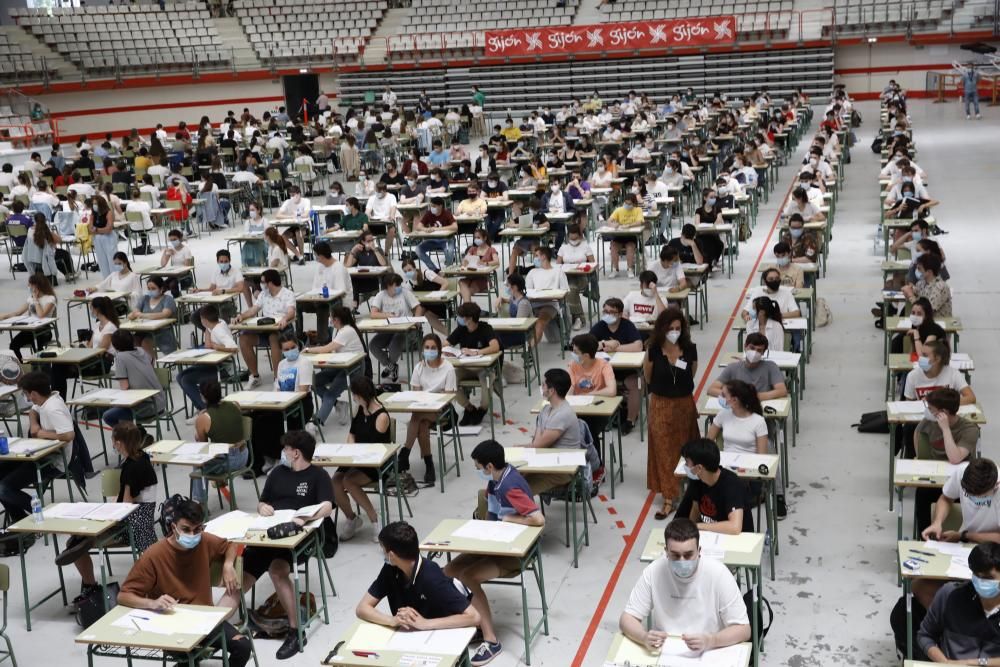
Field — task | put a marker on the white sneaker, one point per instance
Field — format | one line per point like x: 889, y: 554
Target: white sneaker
x: 968, y: 117
x: 343, y: 413
x: 190, y: 420
x: 313, y: 430
x: 630, y: 273
x: 577, y: 324
x: 348, y: 530
x: 254, y: 382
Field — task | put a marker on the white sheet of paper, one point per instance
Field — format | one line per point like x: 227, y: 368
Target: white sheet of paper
x: 230, y: 525
x: 111, y: 511
x: 218, y: 449
x: 907, y: 407
x: 580, y: 400
x: 24, y: 446
x: 554, y: 457
x: 189, y: 448
x: 490, y: 531
x: 917, y: 467
x: 442, y: 642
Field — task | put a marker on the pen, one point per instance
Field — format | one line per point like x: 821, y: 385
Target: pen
x: 136, y: 625
x: 598, y: 402
x: 438, y: 544
x: 365, y: 654
x: 922, y: 553
x: 919, y: 560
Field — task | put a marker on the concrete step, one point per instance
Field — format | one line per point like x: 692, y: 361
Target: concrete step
x: 63, y: 68
x: 232, y: 37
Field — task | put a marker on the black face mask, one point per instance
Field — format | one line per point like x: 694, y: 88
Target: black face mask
x: 773, y: 285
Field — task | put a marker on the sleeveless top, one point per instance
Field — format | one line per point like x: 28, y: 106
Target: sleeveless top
x: 227, y: 423
x: 363, y: 427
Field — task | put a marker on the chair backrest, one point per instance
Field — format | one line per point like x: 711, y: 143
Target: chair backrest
x: 954, y: 518
x: 173, y: 203
x: 4, y: 577
x: 163, y: 375
x: 110, y: 483
x: 133, y: 216
x: 16, y: 230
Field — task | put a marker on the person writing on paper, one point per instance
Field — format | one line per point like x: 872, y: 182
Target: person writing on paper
x: 934, y: 371
x: 136, y: 484
x: 974, y: 485
x: 435, y: 375
x: 472, y: 338
x: 716, y: 499
x: 960, y: 625
x: 177, y: 570
x: 370, y: 424
x: 687, y: 595
x: 41, y: 303
x: 121, y: 279
x: 273, y: 301
x: 482, y: 255
x: 293, y: 485
x: 556, y: 426
x: 420, y: 595
x: 668, y: 271
x: 507, y: 497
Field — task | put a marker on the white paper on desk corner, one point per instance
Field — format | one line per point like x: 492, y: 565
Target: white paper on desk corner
x: 491, y: 531
x: 712, y: 403
x: 580, y: 400
x: 442, y: 642
x: 189, y: 448
x: 907, y: 407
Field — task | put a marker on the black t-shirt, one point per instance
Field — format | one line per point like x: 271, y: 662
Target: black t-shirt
x: 136, y: 474
x: 672, y: 381
x: 716, y: 502
x: 286, y: 489
x: 398, y: 179
x: 475, y: 340
x: 930, y: 328
x: 685, y: 253
x: 431, y: 593
x: 625, y: 334
x: 707, y: 215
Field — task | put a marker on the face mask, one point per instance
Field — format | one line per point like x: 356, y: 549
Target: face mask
x: 924, y: 363
x: 917, y: 236
x: 628, y: 207
x: 752, y: 356
x: 380, y: 195
x: 609, y: 319
x: 485, y: 476
x: 224, y: 266
x: 283, y: 460
x: 986, y: 588
x: 492, y: 184
x: 673, y: 336
x: 916, y: 320
x: 723, y: 403
x: 555, y: 189
x: 669, y: 170
x: 784, y: 261
x: 410, y: 275
x: 537, y: 262
x: 435, y: 210
x: 175, y: 243
x: 646, y: 292
x: 152, y: 293
x: 690, y: 473
x: 290, y: 355
x: 188, y: 541
x: 981, y: 501
x: 410, y: 183
x: 253, y: 215
x: 477, y: 242
x: 684, y: 569
x: 795, y: 232
x: 575, y: 357
x: 773, y: 285
x: 119, y: 267
x: 907, y: 179
x: 506, y: 292
x: 710, y: 201
x: 918, y: 274
x: 430, y: 355
x: 460, y: 321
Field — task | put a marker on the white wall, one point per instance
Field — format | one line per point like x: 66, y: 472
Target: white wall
x: 889, y: 55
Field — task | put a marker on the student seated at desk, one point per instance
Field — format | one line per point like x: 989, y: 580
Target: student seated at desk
x: 473, y: 338
x: 513, y: 304
x: 253, y: 252
x: 225, y: 280
x: 556, y: 426
x: 330, y: 383
x: 544, y: 276
x: 696, y: 599
x: 576, y: 250
x: 766, y: 318
x: 272, y: 301
x: 103, y: 311
x: 799, y: 203
x: 960, y: 626
x: 381, y: 209
x: 217, y: 337
x: 134, y: 370
x: 689, y: 251
x: 392, y: 301
x: 296, y: 207
x: 627, y: 216
x: 615, y: 333
x: 41, y: 303
x: 480, y: 254
x: 121, y: 279
x: 177, y: 570
x: 740, y: 422
x: 668, y: 271
x: 525, y: 245
x: 432, y: 374
x: 353, y: 220
x: 370, y: 424
x: 710, y: 212
x: 177, y: 253
x: 417, y: 279
x: 419, y: 594
x: 436, y: 218
x: 772, y: 288
x: 935, y: 371
x: 292, y: 485
x: 365, y: 253
x: 137, y: 484
x: 590, y: 376
x: 974, y: 486
x: 930, y: 285
x: 791, y: 273
x: 923, y: 331
x: 716, y: 498
x: 507, y: 498
x: 645, y: 304
x: 49, y: 419
x: 156, y: 304
x: 760, y: 373
x: 218, y: 422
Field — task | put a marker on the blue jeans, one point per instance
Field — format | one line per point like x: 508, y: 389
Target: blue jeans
x: 105, y: 246
x: 234, y: 460
x: 190, y: 379
x: 329, y: 384
x: 429, y: 245
x: 115, y: 415
x: 971, y: 96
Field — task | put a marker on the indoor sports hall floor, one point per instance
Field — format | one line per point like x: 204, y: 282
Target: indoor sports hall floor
x: 836, y: 577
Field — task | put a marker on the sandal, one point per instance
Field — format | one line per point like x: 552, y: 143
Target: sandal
x: 665, y: 511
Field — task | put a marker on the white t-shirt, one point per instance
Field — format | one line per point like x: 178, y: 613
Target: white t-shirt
x: 349, y: 340
x: 919, y: 385
x: 668, y: 278
x: 221, y: 335
x: 293, y: 374
x: 182, y: 256
x: 785, y: 298
x: 774, y: 332
x: 300, y: 210
x: 276, y: 306
x: 401, y: 305
x: 99, y: 333
x: 985, y: 519
x: 336, y: 278
x: 276, y: 257
x: 53, y: 415
x: 141, y: 207
x: 807, y: 212
x: 228, y: 279
x: 116, y: 282
x: 437, y: 379
x: 541, y: 279
x: 36, y: 305
x: 740, y: 434
x: 707, y: 603
x: 578, y: 254
x: 380, y: 209
x: 639, y: 308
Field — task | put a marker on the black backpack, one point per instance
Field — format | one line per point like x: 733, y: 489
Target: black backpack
x: 873, y: 422
x: 752, y: 611
x: 168, y: 508
x: 96, y: 604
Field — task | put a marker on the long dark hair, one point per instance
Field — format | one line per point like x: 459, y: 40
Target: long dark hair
x: 663, y: 322
x: 346, y: 317
x: 770, y: 308
x: 103, y: 305
x: 746, y: 394
x: 363, y: 387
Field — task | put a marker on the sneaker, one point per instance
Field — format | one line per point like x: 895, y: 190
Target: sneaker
x: 782, y: 510
x: 74, y: 549
x: 577, y: 323
x: 343, y: 414
x: 968, y: 117
x: 348, y: 530
x: 979, y: 117
x: 466, y: 416
x: 485, y: 653
x: 254, y: 382
x: 86, y: 590
x: 290, y: 646
x: 630, y: 273
x: 627, y: 427
x: 476, y: 415
x: 313, y: 430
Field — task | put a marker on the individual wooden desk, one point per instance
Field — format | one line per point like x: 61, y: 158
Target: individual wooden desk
x: 775, y: 410
x: 490, y: 365
x: 164, y: 453
x: 731, y: 244
x: 106, y: 640
x: 912, y: 412
x: 39, y: 453
x: 111, y: 398
x: 425, y: 402
x: 634, y: 233
x: 952, y: 327
x: 371, y: 642
x: 549, y: 297
x: 36, y: 326
x: 526, y: 547
x: 151, y: 326
x: 73, y: 302
x: 83, y: 358
x: 792, y: 365
x: 189, y: 302
x: 790, y: 324
x: 901, y: 364
x: 345, y: 361
x: 626, y: 653
x: 381, y: 458
x: 917, y: 474
x: 525, y: 327
x: 601, y: 407
x: 512, y: 233
x: 314, y: 299
x: 53, y: 527
x: 410, y: 327
x: 448, y: 298
x: 168, y: 271
x: 916, y: 560
x: 289, y: 404
x: 489, y: 273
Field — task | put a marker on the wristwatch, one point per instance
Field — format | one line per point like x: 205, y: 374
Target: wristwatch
x: 964, y: 537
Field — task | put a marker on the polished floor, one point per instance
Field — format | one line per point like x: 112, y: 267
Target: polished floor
x: 835, y: 582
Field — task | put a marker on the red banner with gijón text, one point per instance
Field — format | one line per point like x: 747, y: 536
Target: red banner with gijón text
x: 708, y: 31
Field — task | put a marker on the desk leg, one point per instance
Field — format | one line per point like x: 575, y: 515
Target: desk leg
x: 755, y: 596
x: 24, y: 582
x: 908, y: 593
x: 899, y: 514
x: 166, y: 484
x: 892, y: 463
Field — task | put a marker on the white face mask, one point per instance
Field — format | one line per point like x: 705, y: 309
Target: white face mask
x: 752, y: 356
x: 673, y: 336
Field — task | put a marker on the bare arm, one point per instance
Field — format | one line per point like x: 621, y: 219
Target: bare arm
x: 733, y: 525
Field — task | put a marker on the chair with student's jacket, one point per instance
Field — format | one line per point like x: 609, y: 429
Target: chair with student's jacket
x: 229, y: 477
x: 77, y: 469
x: 211, y: 212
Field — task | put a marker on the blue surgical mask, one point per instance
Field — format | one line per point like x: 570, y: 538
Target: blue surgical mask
x: 430, y: 355
x: 477, y: 242
x: 224, y: 266
x: 783, y: 261
x: 723, y: 403
x: 795, y: 232
x: 684, y: 569
x: 917, y: 236
x: 460, y: 321
x: 485, y: 476
x: 284, y: 460
x: 175, y: 243
x: 690, y: 473
x: 119, y: 267
x: 924, y: 363
x: 152, y: 293
x: 290, y: 355
x: 537, y: 262
x: 575, y: 357
x: 986, y: 588
x: 410, y: 275
x: 710, y: 201
x: 918, y: 274
x: 188, y: 541
x: 609, y: 319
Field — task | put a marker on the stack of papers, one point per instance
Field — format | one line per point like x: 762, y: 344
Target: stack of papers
x: 416, y: 397
x: 780, y: 357
x: 446, y: 642
x: 506, y: 321
x: 490, y: 531
x: 436, y: 294
x: 251, y: 397
x: 545, y: 293
x: 407, y: 320
x: 907, y: 407
x: 580, y: 400
x: 27, y: 446
x: 545, y: 458
x: 675, y: 653
x: 282, y: 516
x: 231, y: 525
x: 923, y: 468
x: 358, y: 453
x: 90, y: 511
x: 26, y: 319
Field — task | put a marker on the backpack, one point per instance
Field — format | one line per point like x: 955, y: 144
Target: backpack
x: 330, y: 540
x: 824, y: 315
x: 897, y: 621
x: 10, y: 545
x: 855, y: 118
x: 270, y: 617
x: 762, y: 629
x: 96, y: 604
x: 877, y: 144
x: 873, y: 422
x: 168, y: 508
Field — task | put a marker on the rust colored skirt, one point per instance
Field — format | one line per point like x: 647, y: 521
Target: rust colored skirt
x: 672, y: 423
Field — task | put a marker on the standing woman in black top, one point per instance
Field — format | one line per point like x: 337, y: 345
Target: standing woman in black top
x: 669, y: 367
x: 710, y: 213
x: 370, y: 424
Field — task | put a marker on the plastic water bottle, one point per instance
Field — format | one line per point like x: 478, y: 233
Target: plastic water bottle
x: 36, y: 509
x: 326, y: 291
x: 4, y: 445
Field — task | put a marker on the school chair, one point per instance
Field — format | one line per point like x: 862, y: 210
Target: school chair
x: 165, y: 376
x: 228, y: 478
x: 15, y: 231
x: 242, y: 620
x: 8, y: 653
x: 118, y: 544
x: 372, y: 488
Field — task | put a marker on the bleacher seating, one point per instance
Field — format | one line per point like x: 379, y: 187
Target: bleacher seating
x: 757, y: 19
x: 865, y: 16
x: 17, y: 64
x: 135, y: 37
x: 456, y: 27
x: 297, y: 30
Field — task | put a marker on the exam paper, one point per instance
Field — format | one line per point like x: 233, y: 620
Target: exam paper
x: 25, y: 445
x: 580, y: 400
x: 442, y: 642
x: 189, y: 448
x: 907, y: 407
x: 231, y: 525
x: 923, y: 467
x: 490, y: 531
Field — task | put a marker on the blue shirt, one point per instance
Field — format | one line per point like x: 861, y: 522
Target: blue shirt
x: 509, y: 495
x: 438, y: 158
